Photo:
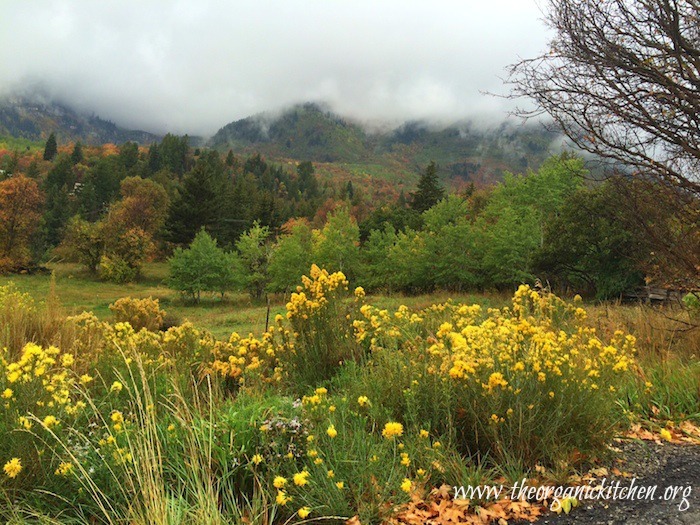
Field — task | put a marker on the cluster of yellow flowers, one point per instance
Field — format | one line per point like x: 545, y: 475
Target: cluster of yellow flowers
x: 539, y: 348
x: 314, y: 294
x: 45, y: 373
x: 139, y: 313
x: 249, y: 359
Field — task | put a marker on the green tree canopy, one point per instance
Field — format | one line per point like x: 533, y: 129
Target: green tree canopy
x: 291, y: 257
x: 204, y: 267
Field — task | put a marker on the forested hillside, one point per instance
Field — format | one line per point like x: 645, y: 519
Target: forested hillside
x: 463, y: 151
x: 36, y: 117
x: 113, y: 208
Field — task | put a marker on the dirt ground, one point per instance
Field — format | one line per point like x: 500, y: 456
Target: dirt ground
x: 663, y: 465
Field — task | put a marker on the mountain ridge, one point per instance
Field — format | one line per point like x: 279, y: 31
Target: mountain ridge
x: 341, y: 147
x: 35, y: 117
x: 463, y: 150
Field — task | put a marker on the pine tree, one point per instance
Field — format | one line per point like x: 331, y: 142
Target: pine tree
x: 230, y: 159
x: 51, y: 148
x: 77, y: 155
x: 429, y: 192
x: 200, y: 200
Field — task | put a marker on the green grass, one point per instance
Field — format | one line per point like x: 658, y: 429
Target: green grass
x: 79, y: 291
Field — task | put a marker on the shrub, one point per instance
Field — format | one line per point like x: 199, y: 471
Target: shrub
x: 117, y: 270
x: 521, y: 385
x: 322, y: 327
x: 139, y: 313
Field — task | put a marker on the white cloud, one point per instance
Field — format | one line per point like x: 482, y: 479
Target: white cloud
x: 192, y: 66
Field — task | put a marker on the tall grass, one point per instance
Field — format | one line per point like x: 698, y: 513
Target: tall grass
x: 23, y: 321
x: 132, y: 479
x: 667, y: 380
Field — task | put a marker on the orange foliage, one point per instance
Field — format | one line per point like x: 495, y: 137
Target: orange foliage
x: 20, y: 211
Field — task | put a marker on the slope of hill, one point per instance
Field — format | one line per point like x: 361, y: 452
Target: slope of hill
x: 306, y: 132
x: 35, y: 118
x: 464, y: 151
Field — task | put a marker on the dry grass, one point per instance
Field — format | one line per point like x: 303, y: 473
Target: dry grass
x: 662, y: 332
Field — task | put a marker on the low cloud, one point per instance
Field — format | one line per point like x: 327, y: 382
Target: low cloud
x: 194, y: 66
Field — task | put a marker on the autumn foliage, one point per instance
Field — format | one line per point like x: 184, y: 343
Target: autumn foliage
x: 20, y: 211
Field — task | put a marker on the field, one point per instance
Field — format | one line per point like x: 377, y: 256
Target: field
x: 78, y: 292
x: 357, y: 408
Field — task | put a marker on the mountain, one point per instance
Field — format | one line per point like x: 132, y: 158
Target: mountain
x: 35, y: 117
x: 306, y: 132
x: 464, y: 151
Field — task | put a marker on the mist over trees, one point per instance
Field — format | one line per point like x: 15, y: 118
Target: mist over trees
x: 622, y: 80
x: 243, y: 223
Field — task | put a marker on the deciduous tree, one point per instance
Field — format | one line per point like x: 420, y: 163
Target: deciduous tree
x: 20, y: 211
x: 622, y: 79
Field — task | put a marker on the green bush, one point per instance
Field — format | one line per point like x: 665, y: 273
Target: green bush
x: 204, y: 267
x: 117, y: 270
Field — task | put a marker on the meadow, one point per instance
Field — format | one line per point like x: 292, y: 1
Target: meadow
x: 348, y: 407
x: 78, y: 291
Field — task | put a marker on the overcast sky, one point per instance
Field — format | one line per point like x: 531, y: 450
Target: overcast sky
x: 193, y: 66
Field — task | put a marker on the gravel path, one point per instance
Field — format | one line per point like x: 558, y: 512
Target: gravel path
x: 664, y: 465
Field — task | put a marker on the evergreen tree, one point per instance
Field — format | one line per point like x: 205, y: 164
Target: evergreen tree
x: 77, y: 156
x: 230, y: 159
x: 173, y: 151
x: 129, y: 154
x: 51, y: 148
x: 200, y: 200
x: 429, y: 192
x: 349, y: 190
x: 308, y: 185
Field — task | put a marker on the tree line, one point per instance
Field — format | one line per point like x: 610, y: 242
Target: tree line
x: 549, y: 225
x: 232, y: 223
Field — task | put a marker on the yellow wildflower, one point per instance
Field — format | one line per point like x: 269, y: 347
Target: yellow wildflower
x: 301, y: 478
x: 117, y: 418
x: 282, y: 499
x: 50, y: 421
x: 116, y: 387
x: 332, y: 432
x: 406, y: 485
x: 7, y: 393
x: 257, y: 459
x: 13, y: 467
x: 64, y: 468
x: 304, y: 512
x: 392, y: 429
x: 340, y: 485
x: 279, y: 482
